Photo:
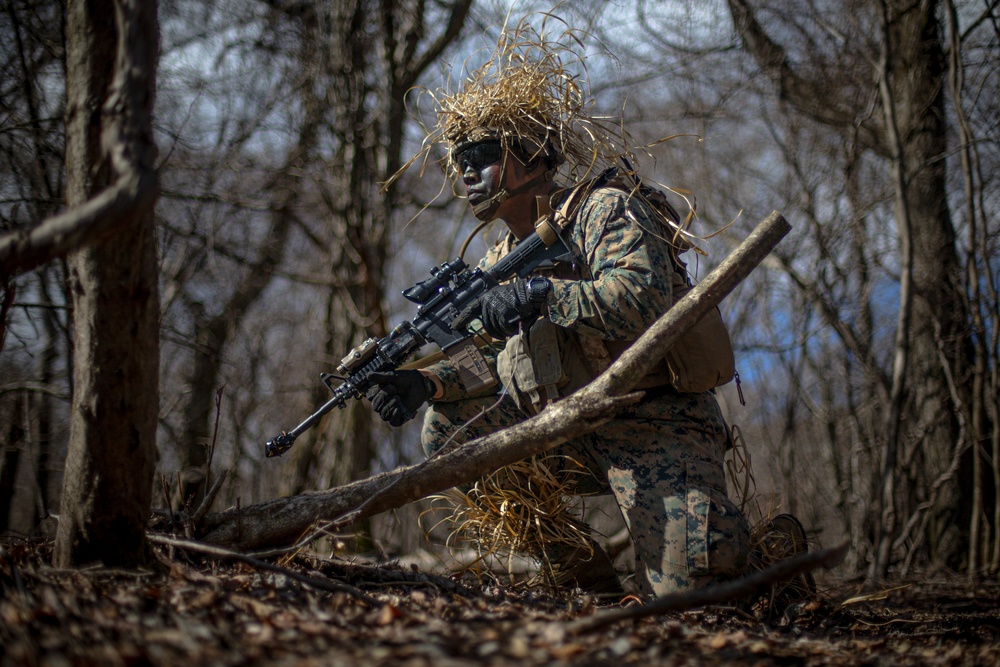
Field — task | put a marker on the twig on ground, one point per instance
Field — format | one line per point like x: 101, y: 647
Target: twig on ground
x: 390, y: 576
x: 724, y: 592
x: 320, y: 584
x: 206, y: 504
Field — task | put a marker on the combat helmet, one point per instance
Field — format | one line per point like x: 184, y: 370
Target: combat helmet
x: 531, y: 95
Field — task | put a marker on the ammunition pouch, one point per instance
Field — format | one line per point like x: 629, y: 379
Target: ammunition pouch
x: 541, y: 364
x: 703, y: 357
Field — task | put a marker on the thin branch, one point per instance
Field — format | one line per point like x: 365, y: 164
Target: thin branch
x: 455, y: 21
x: 36, y: 387
x: 901, y: 348
x: 218, y: 552
x: 128, y: 198
x: 725, y: 592
x: 135, y: 188
x: 206, y: 504
x: 815, y: 99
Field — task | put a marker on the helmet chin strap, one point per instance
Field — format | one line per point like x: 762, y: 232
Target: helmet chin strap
x: 486, y: 210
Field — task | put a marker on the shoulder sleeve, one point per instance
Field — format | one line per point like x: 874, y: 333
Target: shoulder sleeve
x: 630, y: 266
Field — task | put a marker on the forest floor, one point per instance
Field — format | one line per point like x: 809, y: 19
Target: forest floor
x: 305, y: 610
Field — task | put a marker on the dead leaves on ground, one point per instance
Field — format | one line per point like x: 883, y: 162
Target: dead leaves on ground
x: 199, y: 612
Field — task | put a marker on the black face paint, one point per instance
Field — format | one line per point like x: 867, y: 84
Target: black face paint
x: 478, y: 155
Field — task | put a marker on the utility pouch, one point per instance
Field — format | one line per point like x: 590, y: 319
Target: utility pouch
x: 540, y: 365
x: 703, y: 358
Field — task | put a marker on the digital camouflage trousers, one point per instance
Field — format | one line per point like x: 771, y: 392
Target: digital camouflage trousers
x: 663, y: 461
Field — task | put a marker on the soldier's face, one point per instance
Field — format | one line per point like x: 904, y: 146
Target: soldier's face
x: 481, y: 166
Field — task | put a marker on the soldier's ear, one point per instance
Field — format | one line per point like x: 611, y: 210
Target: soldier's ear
x: 540, y: 163
x: 536, y: 165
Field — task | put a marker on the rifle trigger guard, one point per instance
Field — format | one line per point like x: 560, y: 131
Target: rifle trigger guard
x: 469, y: 313
x: 328, y: 379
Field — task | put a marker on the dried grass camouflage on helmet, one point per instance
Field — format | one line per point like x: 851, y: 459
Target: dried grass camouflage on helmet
x: 530, y: 94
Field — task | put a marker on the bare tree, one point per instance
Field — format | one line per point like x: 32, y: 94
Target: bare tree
x: 33, y: 316
x: 364, y: 120
x: 110, y: 77
x: 869, y: 345
x: 933, y: 354
x: 215, y: 326
x: 275, y: 231
x: 10, y: 456
x: 983, y: 415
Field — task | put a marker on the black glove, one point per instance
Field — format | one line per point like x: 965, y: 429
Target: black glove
x: 505, y: 306
x: 397, y: 395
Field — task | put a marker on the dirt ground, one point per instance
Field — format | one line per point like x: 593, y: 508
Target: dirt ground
x: 312, y: 611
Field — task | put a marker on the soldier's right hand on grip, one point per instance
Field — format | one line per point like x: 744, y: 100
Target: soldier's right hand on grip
x: 506, y: 307
x: 397, y: 395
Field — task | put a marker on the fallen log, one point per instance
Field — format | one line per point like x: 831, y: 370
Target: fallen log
x: 283, y: 521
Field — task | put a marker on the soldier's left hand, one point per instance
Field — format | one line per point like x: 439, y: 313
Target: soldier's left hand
x: 397, y: 395
x: 506, y: 306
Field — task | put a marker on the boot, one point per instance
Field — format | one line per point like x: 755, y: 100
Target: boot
x: 589, y: 569
x: 784, y: 537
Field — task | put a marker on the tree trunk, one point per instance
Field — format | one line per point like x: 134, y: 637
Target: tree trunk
x: 927, y: 436
x: 939, y: 331
x: 112, y: 49
x: 46, y: 403
x: 212, y: 334
x: 10, y: 456
x: 366, y: 93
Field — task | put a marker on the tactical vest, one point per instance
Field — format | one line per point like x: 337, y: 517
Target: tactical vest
x: 546, y: 362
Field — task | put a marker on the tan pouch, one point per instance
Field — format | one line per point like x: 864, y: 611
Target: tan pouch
x: 703, y: 358
x: 540, y: 365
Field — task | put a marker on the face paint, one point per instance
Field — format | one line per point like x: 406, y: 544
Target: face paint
x: 478, y: 155
x: 484, y: 184
x: 481, y: 169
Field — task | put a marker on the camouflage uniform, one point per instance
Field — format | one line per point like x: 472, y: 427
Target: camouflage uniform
x: 661, y: 458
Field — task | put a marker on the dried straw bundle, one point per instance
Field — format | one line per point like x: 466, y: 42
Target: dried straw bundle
x: 528, y: 93
x: 531, y: 92
x: 526, y: 508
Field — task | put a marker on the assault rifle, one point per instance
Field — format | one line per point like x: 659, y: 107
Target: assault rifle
x: 447, y: 302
